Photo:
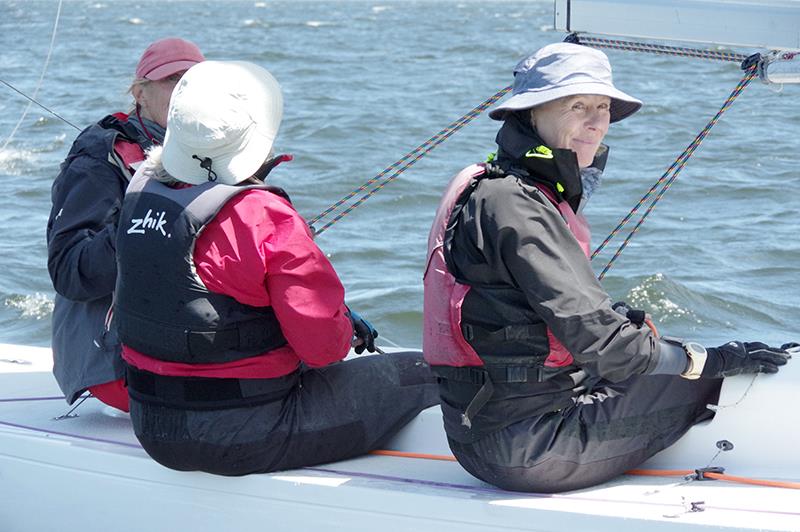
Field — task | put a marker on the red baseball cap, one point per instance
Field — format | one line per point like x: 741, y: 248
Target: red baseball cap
x: 167, y: 57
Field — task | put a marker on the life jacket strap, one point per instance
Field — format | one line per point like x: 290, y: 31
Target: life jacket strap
x: 504, y: 334
x: 486, y: 377
x: 201, y: 393
x: 480, y: 375
x: 248, y: 338
x: 478, y: 402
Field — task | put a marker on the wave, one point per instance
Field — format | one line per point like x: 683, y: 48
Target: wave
x: 15, y: 161
x: 37, y: 306
x: 656, y: 295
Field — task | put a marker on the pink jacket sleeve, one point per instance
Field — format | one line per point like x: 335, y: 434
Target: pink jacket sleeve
x: 259, y: 251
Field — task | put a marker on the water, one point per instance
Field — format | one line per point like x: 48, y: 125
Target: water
x: 367, y: 81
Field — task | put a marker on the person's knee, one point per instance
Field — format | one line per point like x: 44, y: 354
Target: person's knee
x: 412, y: 370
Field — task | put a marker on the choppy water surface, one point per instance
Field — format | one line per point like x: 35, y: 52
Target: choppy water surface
x: 364, y: 83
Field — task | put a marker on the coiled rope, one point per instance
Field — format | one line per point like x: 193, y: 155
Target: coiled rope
x: 409, y: 159
x: 38, y: 84
x: 750, y: 67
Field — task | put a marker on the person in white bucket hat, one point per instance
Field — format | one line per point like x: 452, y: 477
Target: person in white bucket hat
x: 227, y: 113
x: 232, y: 320
x: 545, y: 385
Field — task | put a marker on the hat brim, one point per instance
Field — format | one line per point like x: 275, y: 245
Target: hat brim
x: 230, y: 169
x: 165, y: 71
x: 622, y: 105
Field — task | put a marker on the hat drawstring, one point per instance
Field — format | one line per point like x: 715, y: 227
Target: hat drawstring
x: 205, y: 164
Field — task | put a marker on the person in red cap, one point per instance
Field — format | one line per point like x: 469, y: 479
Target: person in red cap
x: 81, y: 231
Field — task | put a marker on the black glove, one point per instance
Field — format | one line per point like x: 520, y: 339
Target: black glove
x: 790, y: 345
x: 734, y: 358
x: 636, y: 316
x: 364, y: 333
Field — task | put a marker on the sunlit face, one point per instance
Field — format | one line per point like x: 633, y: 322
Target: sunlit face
x: 153, y: 97
x: 578, y: 123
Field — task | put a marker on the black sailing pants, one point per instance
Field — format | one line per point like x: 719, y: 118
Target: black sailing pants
x: 332, y: 413
x: 608, y: 431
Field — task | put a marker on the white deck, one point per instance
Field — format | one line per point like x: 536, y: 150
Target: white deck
x: 88, y: 473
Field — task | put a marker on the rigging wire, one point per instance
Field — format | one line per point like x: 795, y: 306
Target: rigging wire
x: 39, y: 83
x: 635, y: 46
x: 10, y: 86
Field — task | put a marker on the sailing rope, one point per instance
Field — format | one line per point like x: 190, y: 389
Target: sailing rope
x: 666, y: 178
x: 750, y: 67
x: 38, y: 84
x: 633, y: 46
x: 702, y: 473
x: 409, y: 159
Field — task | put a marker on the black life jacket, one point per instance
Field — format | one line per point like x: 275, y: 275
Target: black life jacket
x: 162, y: 308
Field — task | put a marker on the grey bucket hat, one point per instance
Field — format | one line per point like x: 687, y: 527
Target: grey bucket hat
x: 565, y: 69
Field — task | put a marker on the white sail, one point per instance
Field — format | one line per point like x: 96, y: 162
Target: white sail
x: 761, y: 24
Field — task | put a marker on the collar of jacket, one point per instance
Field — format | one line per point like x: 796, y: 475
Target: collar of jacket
x: 524, y: 154
x: 156, y: 132
x: 132, y: 131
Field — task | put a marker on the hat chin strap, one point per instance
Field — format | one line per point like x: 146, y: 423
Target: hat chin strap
x: 205, y: 164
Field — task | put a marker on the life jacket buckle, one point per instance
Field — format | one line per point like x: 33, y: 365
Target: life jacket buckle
x: 517, y: 374
x: 478, y: 377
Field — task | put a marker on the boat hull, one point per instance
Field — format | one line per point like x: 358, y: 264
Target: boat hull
x: 89, y: 473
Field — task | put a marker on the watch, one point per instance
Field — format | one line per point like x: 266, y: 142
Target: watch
x: 697, y: 360
x: 696, y: 353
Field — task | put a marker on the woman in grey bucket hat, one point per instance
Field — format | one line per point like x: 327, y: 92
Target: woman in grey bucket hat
x: 545, y: 385
x: 565, y: 69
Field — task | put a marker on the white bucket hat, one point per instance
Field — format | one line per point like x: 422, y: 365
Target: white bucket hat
x: 223, y: 119
x: 565, y: 69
